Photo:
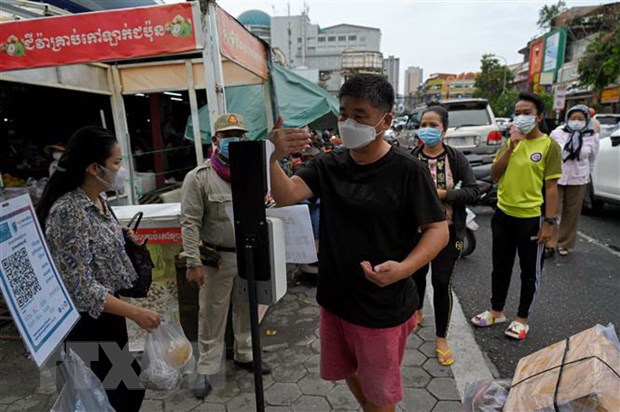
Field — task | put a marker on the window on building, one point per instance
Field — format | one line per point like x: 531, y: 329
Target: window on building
x: 299, y: 40
x: 352, y: 38
x: 321, y: 39
x: 342, y: 38
x: 331, y: 38
x: 311, y: 38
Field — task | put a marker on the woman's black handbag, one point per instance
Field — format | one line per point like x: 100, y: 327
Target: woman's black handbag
x: 140, y: 259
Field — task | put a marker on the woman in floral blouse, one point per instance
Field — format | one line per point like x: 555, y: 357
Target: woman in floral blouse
x: 456, y: 187
x: 87, y: 245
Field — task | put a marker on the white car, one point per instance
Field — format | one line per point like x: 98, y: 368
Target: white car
x: 609, y: 123
x: 472, y: 126
x: 605, y: 186
x: 502, y: 123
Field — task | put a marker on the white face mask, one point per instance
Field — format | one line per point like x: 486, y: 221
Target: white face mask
x: 355, y: 135
x: 576, y: 124
x: 525, y: 123
x: 114, y: 180
x: 57, y: 155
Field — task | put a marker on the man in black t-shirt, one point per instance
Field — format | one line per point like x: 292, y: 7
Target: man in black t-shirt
x: 380, y: 222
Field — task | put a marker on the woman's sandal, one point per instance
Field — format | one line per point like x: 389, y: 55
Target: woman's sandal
x: 418, y: 325
x: 485, y: 319
x: 517, y: 330
x: 562, y: 251
x: 446, y: 357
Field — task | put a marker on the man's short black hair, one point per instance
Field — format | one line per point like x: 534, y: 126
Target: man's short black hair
x: 373, y: 87
x: 534, y: 98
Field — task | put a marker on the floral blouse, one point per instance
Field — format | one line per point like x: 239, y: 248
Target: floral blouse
x: 442, y: 176
x: 88, y: 248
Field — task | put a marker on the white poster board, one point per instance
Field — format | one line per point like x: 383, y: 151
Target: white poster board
x: 298, y: 235
x: 31, y: 285
x: 299, y: 239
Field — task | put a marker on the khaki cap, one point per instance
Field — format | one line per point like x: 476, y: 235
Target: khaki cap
x: 230, y: 121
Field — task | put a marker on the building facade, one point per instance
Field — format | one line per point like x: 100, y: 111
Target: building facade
x: 552, y: 60
x: 258, y: 22
x: 413, y: 80
x: 462, y: 86
x: 391, y: 70
x: 307, y: 45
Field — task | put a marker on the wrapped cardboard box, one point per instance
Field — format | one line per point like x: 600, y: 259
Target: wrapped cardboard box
x: 584, y: 370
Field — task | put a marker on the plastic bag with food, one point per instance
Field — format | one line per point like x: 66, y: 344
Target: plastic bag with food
x: 166, y: 352
x: 156, y: 373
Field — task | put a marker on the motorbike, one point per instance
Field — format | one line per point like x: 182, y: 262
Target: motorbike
x: 488, y: 197
x: 488, y: 188
x: 469, y: 243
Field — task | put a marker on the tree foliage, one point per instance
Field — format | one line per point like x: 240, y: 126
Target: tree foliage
x: 504, y: 105
x: 600, y: 64
x: 548, y: 13
x: 490, y: 85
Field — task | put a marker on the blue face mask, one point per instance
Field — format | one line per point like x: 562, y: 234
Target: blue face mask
x: 430, y: 136
x: 224, y: 142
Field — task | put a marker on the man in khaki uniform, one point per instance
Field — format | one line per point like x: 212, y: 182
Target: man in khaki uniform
x: 206, y: 202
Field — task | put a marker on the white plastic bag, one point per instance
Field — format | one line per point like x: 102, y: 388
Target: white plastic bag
x: 156, y: 373
x: 486, y: 395
x: 82, y: 390
x: 166, y: 353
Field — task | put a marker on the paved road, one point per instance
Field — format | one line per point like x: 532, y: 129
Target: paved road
x: 578, y: 291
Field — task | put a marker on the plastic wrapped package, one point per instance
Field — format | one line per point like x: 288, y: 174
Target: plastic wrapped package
x: 486, y: 395
x: 579, y: 374
x: 82, y: 391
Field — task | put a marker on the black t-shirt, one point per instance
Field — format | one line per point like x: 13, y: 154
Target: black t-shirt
x: 369, y: 212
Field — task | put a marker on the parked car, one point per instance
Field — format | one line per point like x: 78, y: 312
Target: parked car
x: 605, y: 184
x: 504, y: 124
x: 609, y: 123
x: 473, y: 128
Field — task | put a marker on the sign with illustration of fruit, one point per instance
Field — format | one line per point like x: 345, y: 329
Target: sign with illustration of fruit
x: 100, y: 36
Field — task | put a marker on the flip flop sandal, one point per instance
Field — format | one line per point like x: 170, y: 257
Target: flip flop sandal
x: 517, y: 330
x: 418, y: 325
x: 485, y: 319
x: 446, y: 357
x: 562, y: 251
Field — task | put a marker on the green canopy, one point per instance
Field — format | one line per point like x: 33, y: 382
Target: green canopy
x: 300, y: 102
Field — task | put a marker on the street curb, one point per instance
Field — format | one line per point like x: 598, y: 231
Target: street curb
x: 471, y: 365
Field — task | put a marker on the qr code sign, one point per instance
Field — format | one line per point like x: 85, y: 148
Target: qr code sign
x: 21, y: 276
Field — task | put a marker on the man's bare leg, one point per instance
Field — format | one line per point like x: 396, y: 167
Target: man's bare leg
x: 355, y: 387
x: 374, y: 408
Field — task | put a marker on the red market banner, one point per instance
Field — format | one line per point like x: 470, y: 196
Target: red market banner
x: 100, y: 36
x: 240, y: 46
x: 160, y: 236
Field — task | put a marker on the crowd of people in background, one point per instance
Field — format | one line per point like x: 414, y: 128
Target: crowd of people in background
x: 397, y: 211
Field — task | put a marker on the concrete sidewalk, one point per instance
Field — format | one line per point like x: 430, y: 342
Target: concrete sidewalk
x: 291, y: 347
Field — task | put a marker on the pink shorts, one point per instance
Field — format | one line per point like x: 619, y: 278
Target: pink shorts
x: 374, y: 353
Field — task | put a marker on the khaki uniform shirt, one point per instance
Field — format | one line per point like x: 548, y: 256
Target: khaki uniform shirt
x: 204, y: 199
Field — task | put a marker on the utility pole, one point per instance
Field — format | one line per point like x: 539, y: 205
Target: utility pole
x: 505, y: 70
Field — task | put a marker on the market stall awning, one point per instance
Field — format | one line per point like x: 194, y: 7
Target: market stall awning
x: 300, y: 102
